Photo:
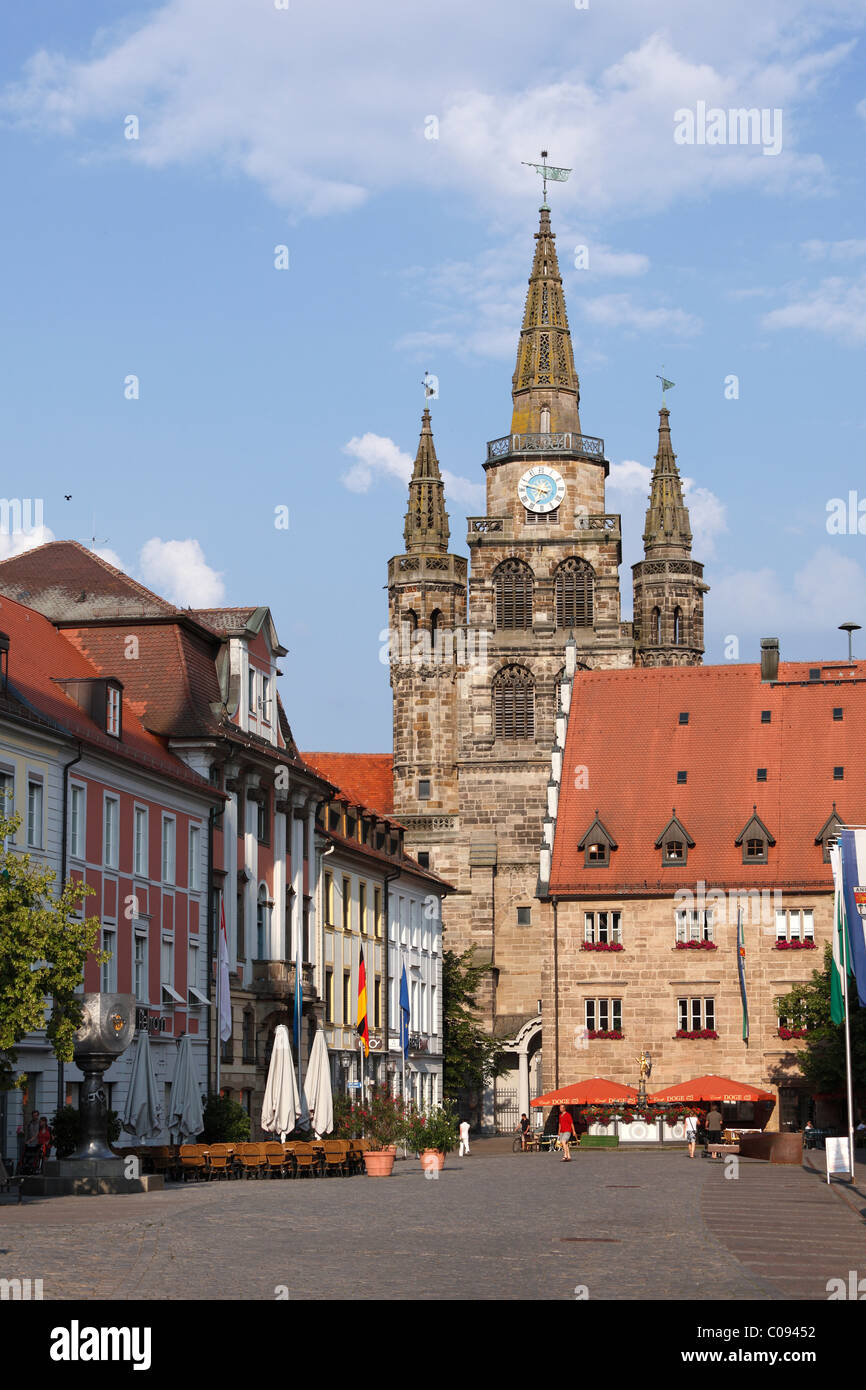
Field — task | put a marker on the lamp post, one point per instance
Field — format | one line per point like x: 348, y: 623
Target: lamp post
x: 850, y: 628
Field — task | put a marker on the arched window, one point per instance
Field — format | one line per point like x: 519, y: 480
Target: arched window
x: 655, y: 625
x: 545, y: 419
x: 435, y: 621
x: 513, y: 588
x: 263, y: 923
x: 678, y: 627
x: 573, y: 588
x: 411, y: 617
x: 514, y: 703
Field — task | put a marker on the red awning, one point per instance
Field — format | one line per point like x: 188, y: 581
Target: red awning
x: 596, y: 1091
x: 719, y: 1088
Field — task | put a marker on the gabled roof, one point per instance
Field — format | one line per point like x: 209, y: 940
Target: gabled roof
x: 234, y: 622
x: 624, y: 725
x: 675, y: 830
x: 830, y: 826
x: 40, y: 658
x: 597, y: 832
x: 65, y: 580
x: 367, y: 778
x: 754, y: 829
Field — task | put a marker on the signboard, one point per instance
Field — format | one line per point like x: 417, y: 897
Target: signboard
x: 838, y: 1156
x: 353, y: 1085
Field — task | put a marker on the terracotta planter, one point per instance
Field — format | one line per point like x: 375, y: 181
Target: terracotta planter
x: 432, y: 1160
x: 380, y: 1162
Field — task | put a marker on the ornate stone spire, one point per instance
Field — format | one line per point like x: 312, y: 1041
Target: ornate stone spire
x: 426, y: 528
x: 545, y: 378
x: 667, y: 531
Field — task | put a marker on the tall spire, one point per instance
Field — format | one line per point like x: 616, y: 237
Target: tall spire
x: 544, y: 377
x: 667, y: 531
x: 426, y: 529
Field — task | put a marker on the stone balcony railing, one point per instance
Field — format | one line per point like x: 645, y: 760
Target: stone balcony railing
x: 439, y: 568
x: 277, y: 978
x: 517, y: 445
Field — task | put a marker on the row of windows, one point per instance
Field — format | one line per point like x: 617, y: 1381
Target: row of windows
x: 693, y: 1014
x: 677, y: 627
x: 259, y: 695
x: 140, y: 974
x: 349, y: 1016
x: 369, y: 911
x: 795, y: 924
x: 514, y: 589
x: 141, y: 830
x: 35, y: 807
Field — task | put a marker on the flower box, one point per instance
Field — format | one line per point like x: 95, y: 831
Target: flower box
x: 787, y: 1033
x: 609, y: 1033
x: 601, y: 946
x: 796, y: 945
x: 693, y: 1033
x: 697, y: 946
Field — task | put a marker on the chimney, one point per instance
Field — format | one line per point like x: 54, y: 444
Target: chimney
x: 769, y: 658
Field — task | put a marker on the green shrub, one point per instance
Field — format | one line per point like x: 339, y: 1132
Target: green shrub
x: 225, y: 1121
x: 66, y: 1129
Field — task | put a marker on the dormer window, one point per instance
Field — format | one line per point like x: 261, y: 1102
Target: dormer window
x: 674, y: 849
x: 755, y: 839
x: 756, y: 849
x: 266, y: 699
x: 597, y: 845
x: 251, y: 690
x: 597, y: 853
x: 674, y: 842
x: 112, y: 710
x: 829, y: 831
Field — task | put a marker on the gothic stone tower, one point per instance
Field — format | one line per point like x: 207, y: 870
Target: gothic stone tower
x: 545, y: 563
x: 668, y: 584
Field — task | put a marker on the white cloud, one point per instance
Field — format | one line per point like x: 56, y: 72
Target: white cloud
x: 12, y: 543
x: 630, y: 477
x: 111, y: 557
x: 836, y: 308
x: 849, y: 250
x: 377, y: 456
x: 233, y: 83
x: 621, y: 311
x: 178, y: 571
x: 708, y: 517
x: 815, y: 599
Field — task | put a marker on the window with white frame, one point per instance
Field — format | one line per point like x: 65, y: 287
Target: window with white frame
x: 797, y: 924
x: 139, y: 965
x: 602, y: 927
x: 424, y: 1019
x: 197, y: 997
x: 194, y: 858
x: 169, y: 831
x: 166, y: 971
x: 112, y: 711
x: 110, y: 824
x: 77, y: 821
x: 266, y: 699
x: 251, y: 690
x: 603, y: 1015
x: 7, y: 799
x: 696, y: 1013
x: 694, y: 924
x: 108, y: 982
x: 35, y: 800
x: 140, y: 821
x: 413, y: 919
x: 263, y: 924
x: 362, y: 907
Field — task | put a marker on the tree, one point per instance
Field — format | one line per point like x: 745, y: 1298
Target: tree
x: 43, y: 947
x: 471, y: 1056
x: 822, y: 1057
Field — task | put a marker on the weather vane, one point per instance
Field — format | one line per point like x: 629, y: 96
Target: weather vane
x: 666, y: 385
x: 547, y: 171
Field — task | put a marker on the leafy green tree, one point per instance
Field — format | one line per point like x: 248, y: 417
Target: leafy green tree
x: 471, y: 1056
x: 225, y: 1121
x: 43, y: 947
x: 822, y: 1056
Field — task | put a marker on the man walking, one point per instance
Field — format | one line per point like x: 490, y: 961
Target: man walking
x: 714, y: 1126
x: 464, y: 1138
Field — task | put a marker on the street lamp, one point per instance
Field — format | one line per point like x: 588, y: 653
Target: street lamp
x: 850, y: 628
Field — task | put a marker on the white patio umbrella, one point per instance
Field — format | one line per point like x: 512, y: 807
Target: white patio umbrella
x: 282, y: 1106
x: 142, y: 1113
x: 317, y: 1087
x: 184, y: 1111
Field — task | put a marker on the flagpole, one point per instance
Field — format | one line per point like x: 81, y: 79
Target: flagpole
x: 849, y: 1085
x: 219, y: 1008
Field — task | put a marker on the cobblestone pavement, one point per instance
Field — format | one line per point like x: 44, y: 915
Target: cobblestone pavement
x: 492, y: 1226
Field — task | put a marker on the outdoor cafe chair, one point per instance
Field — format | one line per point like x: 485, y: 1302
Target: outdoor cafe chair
x: 305, y: 1159
x: 250, y: 1159
x: 220, y: 1160
x: 193, y: 1159
x: 335, y: 1156
x: 275, y: 1159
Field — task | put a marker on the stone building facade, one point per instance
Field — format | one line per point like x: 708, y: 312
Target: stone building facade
x: 477, y: 652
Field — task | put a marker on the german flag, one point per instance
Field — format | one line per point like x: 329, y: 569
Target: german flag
x: 363, y: 1029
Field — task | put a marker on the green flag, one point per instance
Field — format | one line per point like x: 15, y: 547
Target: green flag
x: 666, y: 385
x: 841, y: 948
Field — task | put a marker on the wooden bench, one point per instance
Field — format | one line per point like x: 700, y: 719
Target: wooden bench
x: 717, y: 1150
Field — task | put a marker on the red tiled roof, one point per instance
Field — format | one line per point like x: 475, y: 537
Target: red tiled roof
x: 40, y: 656
x: 65, y: 575
x: 366, y: 778
x: 625, y: 746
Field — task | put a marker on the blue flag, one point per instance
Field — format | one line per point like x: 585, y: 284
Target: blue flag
x: 741, y: 966
x: 404, y: 1012
x: 853, y: 846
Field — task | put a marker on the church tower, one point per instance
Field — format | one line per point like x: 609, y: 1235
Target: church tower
x: 668, y: 584
x: 427, y: 646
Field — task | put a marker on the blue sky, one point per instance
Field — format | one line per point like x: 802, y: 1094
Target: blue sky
x: 259, y: 387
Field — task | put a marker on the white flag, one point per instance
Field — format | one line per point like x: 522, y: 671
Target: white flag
x: 225, y: 997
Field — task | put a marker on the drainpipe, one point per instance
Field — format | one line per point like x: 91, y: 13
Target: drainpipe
x: 386, y: 952
x: 212, y: 1024
x: 61, y: 1080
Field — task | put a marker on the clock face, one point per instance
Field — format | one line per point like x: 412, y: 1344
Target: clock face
x: 541, y: 489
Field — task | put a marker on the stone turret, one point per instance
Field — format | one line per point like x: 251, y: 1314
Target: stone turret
x: 544, y: 378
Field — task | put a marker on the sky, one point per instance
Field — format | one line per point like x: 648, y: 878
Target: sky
x: 236, y: 233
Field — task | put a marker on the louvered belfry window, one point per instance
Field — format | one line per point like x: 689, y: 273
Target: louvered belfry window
x: 513, y: 584
x: 514, y: 703
x: 573, y: 588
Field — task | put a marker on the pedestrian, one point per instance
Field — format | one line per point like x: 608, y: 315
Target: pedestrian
x: 43, y: 1137
x: 524, y: 1130
x: 566, y: 1132
x: 692, y: 1133
x: 464, y: 1138
x: 714, y: 1126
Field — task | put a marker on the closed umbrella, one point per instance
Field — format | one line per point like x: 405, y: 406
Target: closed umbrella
x: 282, y: 1106
x: 317, y: 1087
x: 184, y: 1113
x: 142, y: 1113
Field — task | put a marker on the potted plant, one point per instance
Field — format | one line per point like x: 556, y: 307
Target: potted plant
x: 382, y: 1122
x: 433, y: 1135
